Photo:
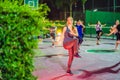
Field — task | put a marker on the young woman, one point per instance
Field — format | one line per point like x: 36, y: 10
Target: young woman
x: 116, y: 30
x: 99, y: 32
x: 53, y: 34
x: 80, y: 27
x: 113, y: 28
x: 70, y: 42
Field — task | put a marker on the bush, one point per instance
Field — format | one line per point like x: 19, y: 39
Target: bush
x: 18, y: 25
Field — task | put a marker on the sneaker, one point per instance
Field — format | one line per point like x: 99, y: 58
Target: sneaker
x: 77, y: 55
x: 53, y: 46
x: 97, y: 44
x: 69, y: 73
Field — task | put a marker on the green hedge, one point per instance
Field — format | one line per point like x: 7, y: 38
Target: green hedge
x: 18, y: 25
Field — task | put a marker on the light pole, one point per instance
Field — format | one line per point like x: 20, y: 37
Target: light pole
x: 108, y: 4
x: 92, y: 4
x: 114, y: 5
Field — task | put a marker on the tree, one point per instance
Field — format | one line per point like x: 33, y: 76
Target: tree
x: 62, y: 6
x: 18, y: 26
x: 71, y: 4
x: 83, y: 4
x: 65, y: 5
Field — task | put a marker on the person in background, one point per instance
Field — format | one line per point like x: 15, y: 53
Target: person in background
x: 70, y: 42
x: 83, y: 27
x: 53, y: 33
x: 99, y: 32
x: 116, y: 30
x: 80, y: 29
x: 113, y: 28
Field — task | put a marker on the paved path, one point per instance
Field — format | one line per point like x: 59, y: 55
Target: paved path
x: 104, y: 64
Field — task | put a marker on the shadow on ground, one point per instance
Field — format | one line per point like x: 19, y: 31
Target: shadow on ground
x: 87, y: 74
x: 52, y: 55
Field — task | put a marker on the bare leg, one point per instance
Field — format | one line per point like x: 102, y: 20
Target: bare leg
x: 97, y: 42
x: 100, y: 34
x: 116, y: 45
x: 98, y: 38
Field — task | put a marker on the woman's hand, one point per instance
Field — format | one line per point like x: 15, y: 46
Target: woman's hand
x: 73, y: 34
x: 55, y: 43
x: 107, y: 34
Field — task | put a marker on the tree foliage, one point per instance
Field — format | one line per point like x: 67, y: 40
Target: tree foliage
x: 68, y: 4
x: 18, y: 25
x: 83, y: 4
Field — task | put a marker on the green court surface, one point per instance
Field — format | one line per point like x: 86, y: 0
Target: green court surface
x: 101, y: 51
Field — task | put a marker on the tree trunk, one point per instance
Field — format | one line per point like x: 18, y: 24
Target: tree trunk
x: 65, y: 13
x: 41, y: 1
x: 71, y: 10
x: 83, y: 8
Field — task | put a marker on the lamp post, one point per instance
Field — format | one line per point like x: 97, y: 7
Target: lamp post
x: 114, y: 5
x: 108, y: 5
x: 92, y: 4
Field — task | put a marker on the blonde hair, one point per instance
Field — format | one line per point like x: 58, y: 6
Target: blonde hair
x: 70, y: 18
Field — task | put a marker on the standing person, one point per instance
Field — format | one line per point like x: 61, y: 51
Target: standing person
x: 53, y: 34
x: 80, y: 27
x: 99, y: 32
x: 117, y: 36
x: 113, y: 28
x: 116, y: 30
x: 83, y: 29
x: 69, y: 42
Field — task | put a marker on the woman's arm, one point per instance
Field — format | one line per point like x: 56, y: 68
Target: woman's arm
x: 112, y: 31
x: 74, y: 32
x: 103, y: 25
x: 109, y: 34
x: 83, y: 26
x: 91, y: 24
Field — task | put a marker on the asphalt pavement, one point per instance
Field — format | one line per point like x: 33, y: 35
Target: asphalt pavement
x: 97, y: 62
